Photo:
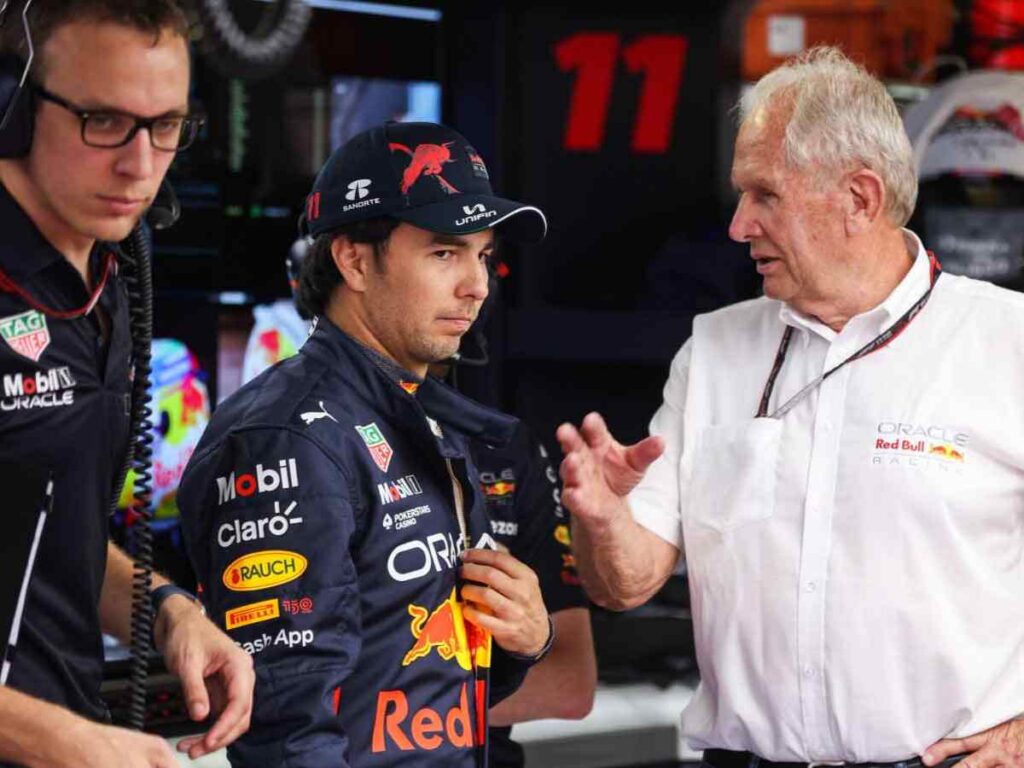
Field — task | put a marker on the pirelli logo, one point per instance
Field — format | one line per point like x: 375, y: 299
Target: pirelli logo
x: 253, y: 613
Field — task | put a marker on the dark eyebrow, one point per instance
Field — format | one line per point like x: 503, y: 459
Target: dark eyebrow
x: 440, y: 238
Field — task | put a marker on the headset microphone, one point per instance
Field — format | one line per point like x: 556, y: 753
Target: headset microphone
x: 165, y: 209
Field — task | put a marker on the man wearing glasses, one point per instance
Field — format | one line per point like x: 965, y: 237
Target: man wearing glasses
x: 109, y: 84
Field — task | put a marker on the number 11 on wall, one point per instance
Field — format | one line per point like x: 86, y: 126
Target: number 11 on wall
x: 593, y: 56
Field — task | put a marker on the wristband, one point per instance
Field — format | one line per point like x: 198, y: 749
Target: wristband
x: 159, y: 595
x: 542, y: 652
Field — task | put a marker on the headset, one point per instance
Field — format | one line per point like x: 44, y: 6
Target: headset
x: 17, y: 107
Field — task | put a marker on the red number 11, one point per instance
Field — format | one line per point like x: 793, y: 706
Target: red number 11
x: 660, y: 58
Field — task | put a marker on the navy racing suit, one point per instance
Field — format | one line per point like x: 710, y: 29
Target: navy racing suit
x: 321, y: 511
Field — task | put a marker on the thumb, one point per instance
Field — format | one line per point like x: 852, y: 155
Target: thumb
x: 640, y: 456
x: 940, y: 750
x: 193, y: 689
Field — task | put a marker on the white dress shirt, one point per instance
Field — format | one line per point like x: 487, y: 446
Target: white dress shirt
x: 856, y: 567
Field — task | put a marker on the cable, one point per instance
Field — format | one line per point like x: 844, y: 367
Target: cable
x: 138, y: 278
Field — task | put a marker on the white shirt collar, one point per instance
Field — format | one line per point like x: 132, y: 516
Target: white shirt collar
x: 910, y: 289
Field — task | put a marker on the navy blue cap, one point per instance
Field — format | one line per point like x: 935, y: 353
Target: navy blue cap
x: 422, y: 173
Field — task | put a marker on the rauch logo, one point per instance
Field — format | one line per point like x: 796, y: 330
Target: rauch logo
x: 260, y: 570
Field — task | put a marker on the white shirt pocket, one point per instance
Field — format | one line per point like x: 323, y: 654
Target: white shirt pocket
x: 734, y: 474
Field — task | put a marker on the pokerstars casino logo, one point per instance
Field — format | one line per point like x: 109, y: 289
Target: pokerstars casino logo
x: 260, y: 480
x: 43, y: 389
x: 265, y: 569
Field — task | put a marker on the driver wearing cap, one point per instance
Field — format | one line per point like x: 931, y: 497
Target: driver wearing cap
x: 330, y: 508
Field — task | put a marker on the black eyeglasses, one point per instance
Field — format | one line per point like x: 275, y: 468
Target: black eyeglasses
x: 107, y: 130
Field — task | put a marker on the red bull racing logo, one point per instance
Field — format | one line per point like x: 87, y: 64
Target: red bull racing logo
x: 427, y: 160
x: 446, y: 630
x: 920, y: 445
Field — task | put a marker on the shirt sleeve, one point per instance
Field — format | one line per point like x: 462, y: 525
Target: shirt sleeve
x: 268, y: 519
x: 656, y: 502
x: 543, y: 542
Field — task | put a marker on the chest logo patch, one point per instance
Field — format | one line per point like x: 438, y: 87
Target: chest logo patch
x: 919, y: 445
x: 26, y: 333
x: 379, y: 449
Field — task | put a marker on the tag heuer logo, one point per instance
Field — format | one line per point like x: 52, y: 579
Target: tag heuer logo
x: 26, y: 333
x: 377, y: 445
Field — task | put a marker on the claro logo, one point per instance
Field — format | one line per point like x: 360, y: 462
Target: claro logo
x: 261, y: 570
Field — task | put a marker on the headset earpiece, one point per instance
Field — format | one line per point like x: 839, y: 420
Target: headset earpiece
x: 17, y: 109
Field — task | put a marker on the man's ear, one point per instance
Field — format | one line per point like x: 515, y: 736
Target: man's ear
x: 353, y: 261
x: 865, y: 196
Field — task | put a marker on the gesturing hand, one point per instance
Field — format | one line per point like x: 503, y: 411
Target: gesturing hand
x: 598, y: 472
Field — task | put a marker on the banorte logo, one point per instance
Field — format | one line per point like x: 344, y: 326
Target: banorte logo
x: 446, y: 630
x: 427, y: 160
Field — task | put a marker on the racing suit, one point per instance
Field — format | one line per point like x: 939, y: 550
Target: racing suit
x: 322, y: 514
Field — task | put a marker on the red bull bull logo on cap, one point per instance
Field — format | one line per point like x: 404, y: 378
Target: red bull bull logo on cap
x: 427, y: 160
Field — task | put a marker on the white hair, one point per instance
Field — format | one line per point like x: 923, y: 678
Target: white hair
x: 841, y: 116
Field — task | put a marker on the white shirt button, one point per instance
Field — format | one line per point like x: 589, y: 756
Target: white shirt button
x: 811, y: 586
x: 808, y: 671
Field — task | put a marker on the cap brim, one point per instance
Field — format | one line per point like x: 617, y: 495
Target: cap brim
x: 465, y: 214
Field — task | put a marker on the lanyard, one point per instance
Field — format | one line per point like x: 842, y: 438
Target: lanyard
x: 884, y: 338
x: 7, y: 285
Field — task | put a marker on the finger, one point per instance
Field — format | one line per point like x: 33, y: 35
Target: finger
x: 641, y: 455
x: 596, y: 432
x: 193, y: 687
x: 572, y: 469
x: 569, y: 438
x: 484, y: 620
x: 188, y: 742
x: 940, y: 750
x: 490, y: 577
x: 989, y: 756
x: 574, y: 499
x: 489, y: 601
x: 238, y: 681
x: 498, y: 560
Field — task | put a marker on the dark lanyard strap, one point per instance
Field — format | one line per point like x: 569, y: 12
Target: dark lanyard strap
x: 7, y: 285
x: 884, y: 338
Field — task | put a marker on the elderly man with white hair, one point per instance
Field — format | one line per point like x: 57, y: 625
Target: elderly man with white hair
x: 841, y: 462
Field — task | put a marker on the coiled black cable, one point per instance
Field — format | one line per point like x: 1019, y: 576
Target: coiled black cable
x: 137, y: 274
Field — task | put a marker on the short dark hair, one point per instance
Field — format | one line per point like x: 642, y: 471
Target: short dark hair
x: 320, y: 276
x: 46, y: 16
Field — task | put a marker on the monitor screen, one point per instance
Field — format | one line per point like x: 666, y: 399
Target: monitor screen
x: 243, y: 184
